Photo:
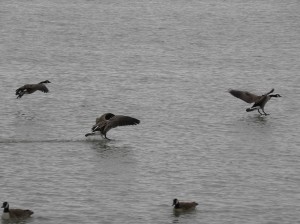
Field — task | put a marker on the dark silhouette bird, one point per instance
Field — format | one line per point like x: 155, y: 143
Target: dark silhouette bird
x: 259, y: 101
x: 108, y: 121
x: 184, y: 205
x: 14, y: 213
x: 31, y: 88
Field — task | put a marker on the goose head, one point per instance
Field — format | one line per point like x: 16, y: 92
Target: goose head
x: 5, y: 205
x: 175, y: 202
x: 46, y: 81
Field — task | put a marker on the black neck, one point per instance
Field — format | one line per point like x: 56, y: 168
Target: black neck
x: 6, y: 209
x: 273, y: 95
x: 177, y: 205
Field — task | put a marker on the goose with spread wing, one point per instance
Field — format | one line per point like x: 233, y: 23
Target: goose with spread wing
x: 31, y: 88
x: 259, y: 101
x: 108, y: 121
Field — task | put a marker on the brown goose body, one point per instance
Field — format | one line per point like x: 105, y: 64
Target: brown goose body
x: 178, y: 205
x: 259, y: 101
x: 15, y: 213
x: 31, y: 88
x: 107, y: 121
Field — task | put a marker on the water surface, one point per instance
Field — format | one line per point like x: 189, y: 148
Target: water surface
x: 168, y: 64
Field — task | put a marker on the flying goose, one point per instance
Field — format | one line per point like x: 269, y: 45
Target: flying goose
x: 31, y: 88
x: 184, y: 205
x: 259, y: 101
x: 108, y: 121
x: 14, y: 213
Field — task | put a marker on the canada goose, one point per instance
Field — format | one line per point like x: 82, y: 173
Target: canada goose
x: 31, y: 88
x: 184, y: 205
x: 259, y: 101
x: 14, y: 213
x: 108, y: 121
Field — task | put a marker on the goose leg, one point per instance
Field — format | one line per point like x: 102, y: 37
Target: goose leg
x: 106, y: 137
x: 259, y: 112
x: 265, y: 113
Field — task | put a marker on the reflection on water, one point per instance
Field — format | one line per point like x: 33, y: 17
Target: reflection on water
x: 259, y: 119
x: 22, y: 141
x: 100, y: 145
x: 18, y: 221
x: 24, y: 115
x: 181, y: 215
x: 108, y: 148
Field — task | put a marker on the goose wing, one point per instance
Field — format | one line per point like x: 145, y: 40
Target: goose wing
x: 244, y: 95
x: 271, y: 91
x: 20, y: 213
x: 187, y: 205
x: 262, y: 101
x: 104, y: 117
x: 30, y: 88
x: 99, y: 119
x: 41, y: 87
x: 120, y: 120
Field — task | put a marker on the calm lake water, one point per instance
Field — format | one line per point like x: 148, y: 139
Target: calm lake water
x: 169, y: 64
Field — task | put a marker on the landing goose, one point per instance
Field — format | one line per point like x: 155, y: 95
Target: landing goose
x: 31, y: 88
x: 108, y: 121
x: 259, y: 101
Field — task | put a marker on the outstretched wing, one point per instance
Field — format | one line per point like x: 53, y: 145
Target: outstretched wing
x: 262, y: 101
x: 244, y: 95
x: 271, y: 91
x: 120, y: 120
x: 104, y: 117
x: 41, y: 87
x: 30, y: 88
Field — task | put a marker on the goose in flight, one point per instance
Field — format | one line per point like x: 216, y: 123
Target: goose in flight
x: 108, y: 121
x: 259, y: 101
x: 31, y: 88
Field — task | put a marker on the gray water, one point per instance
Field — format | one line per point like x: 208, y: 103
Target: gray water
x: 169, y: 64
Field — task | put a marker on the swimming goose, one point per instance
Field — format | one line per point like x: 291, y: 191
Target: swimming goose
x: 184, y: 205
x: 14, y: 213
x: 259, y: 101
x: 31, y: 88
x: 108, y: 121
